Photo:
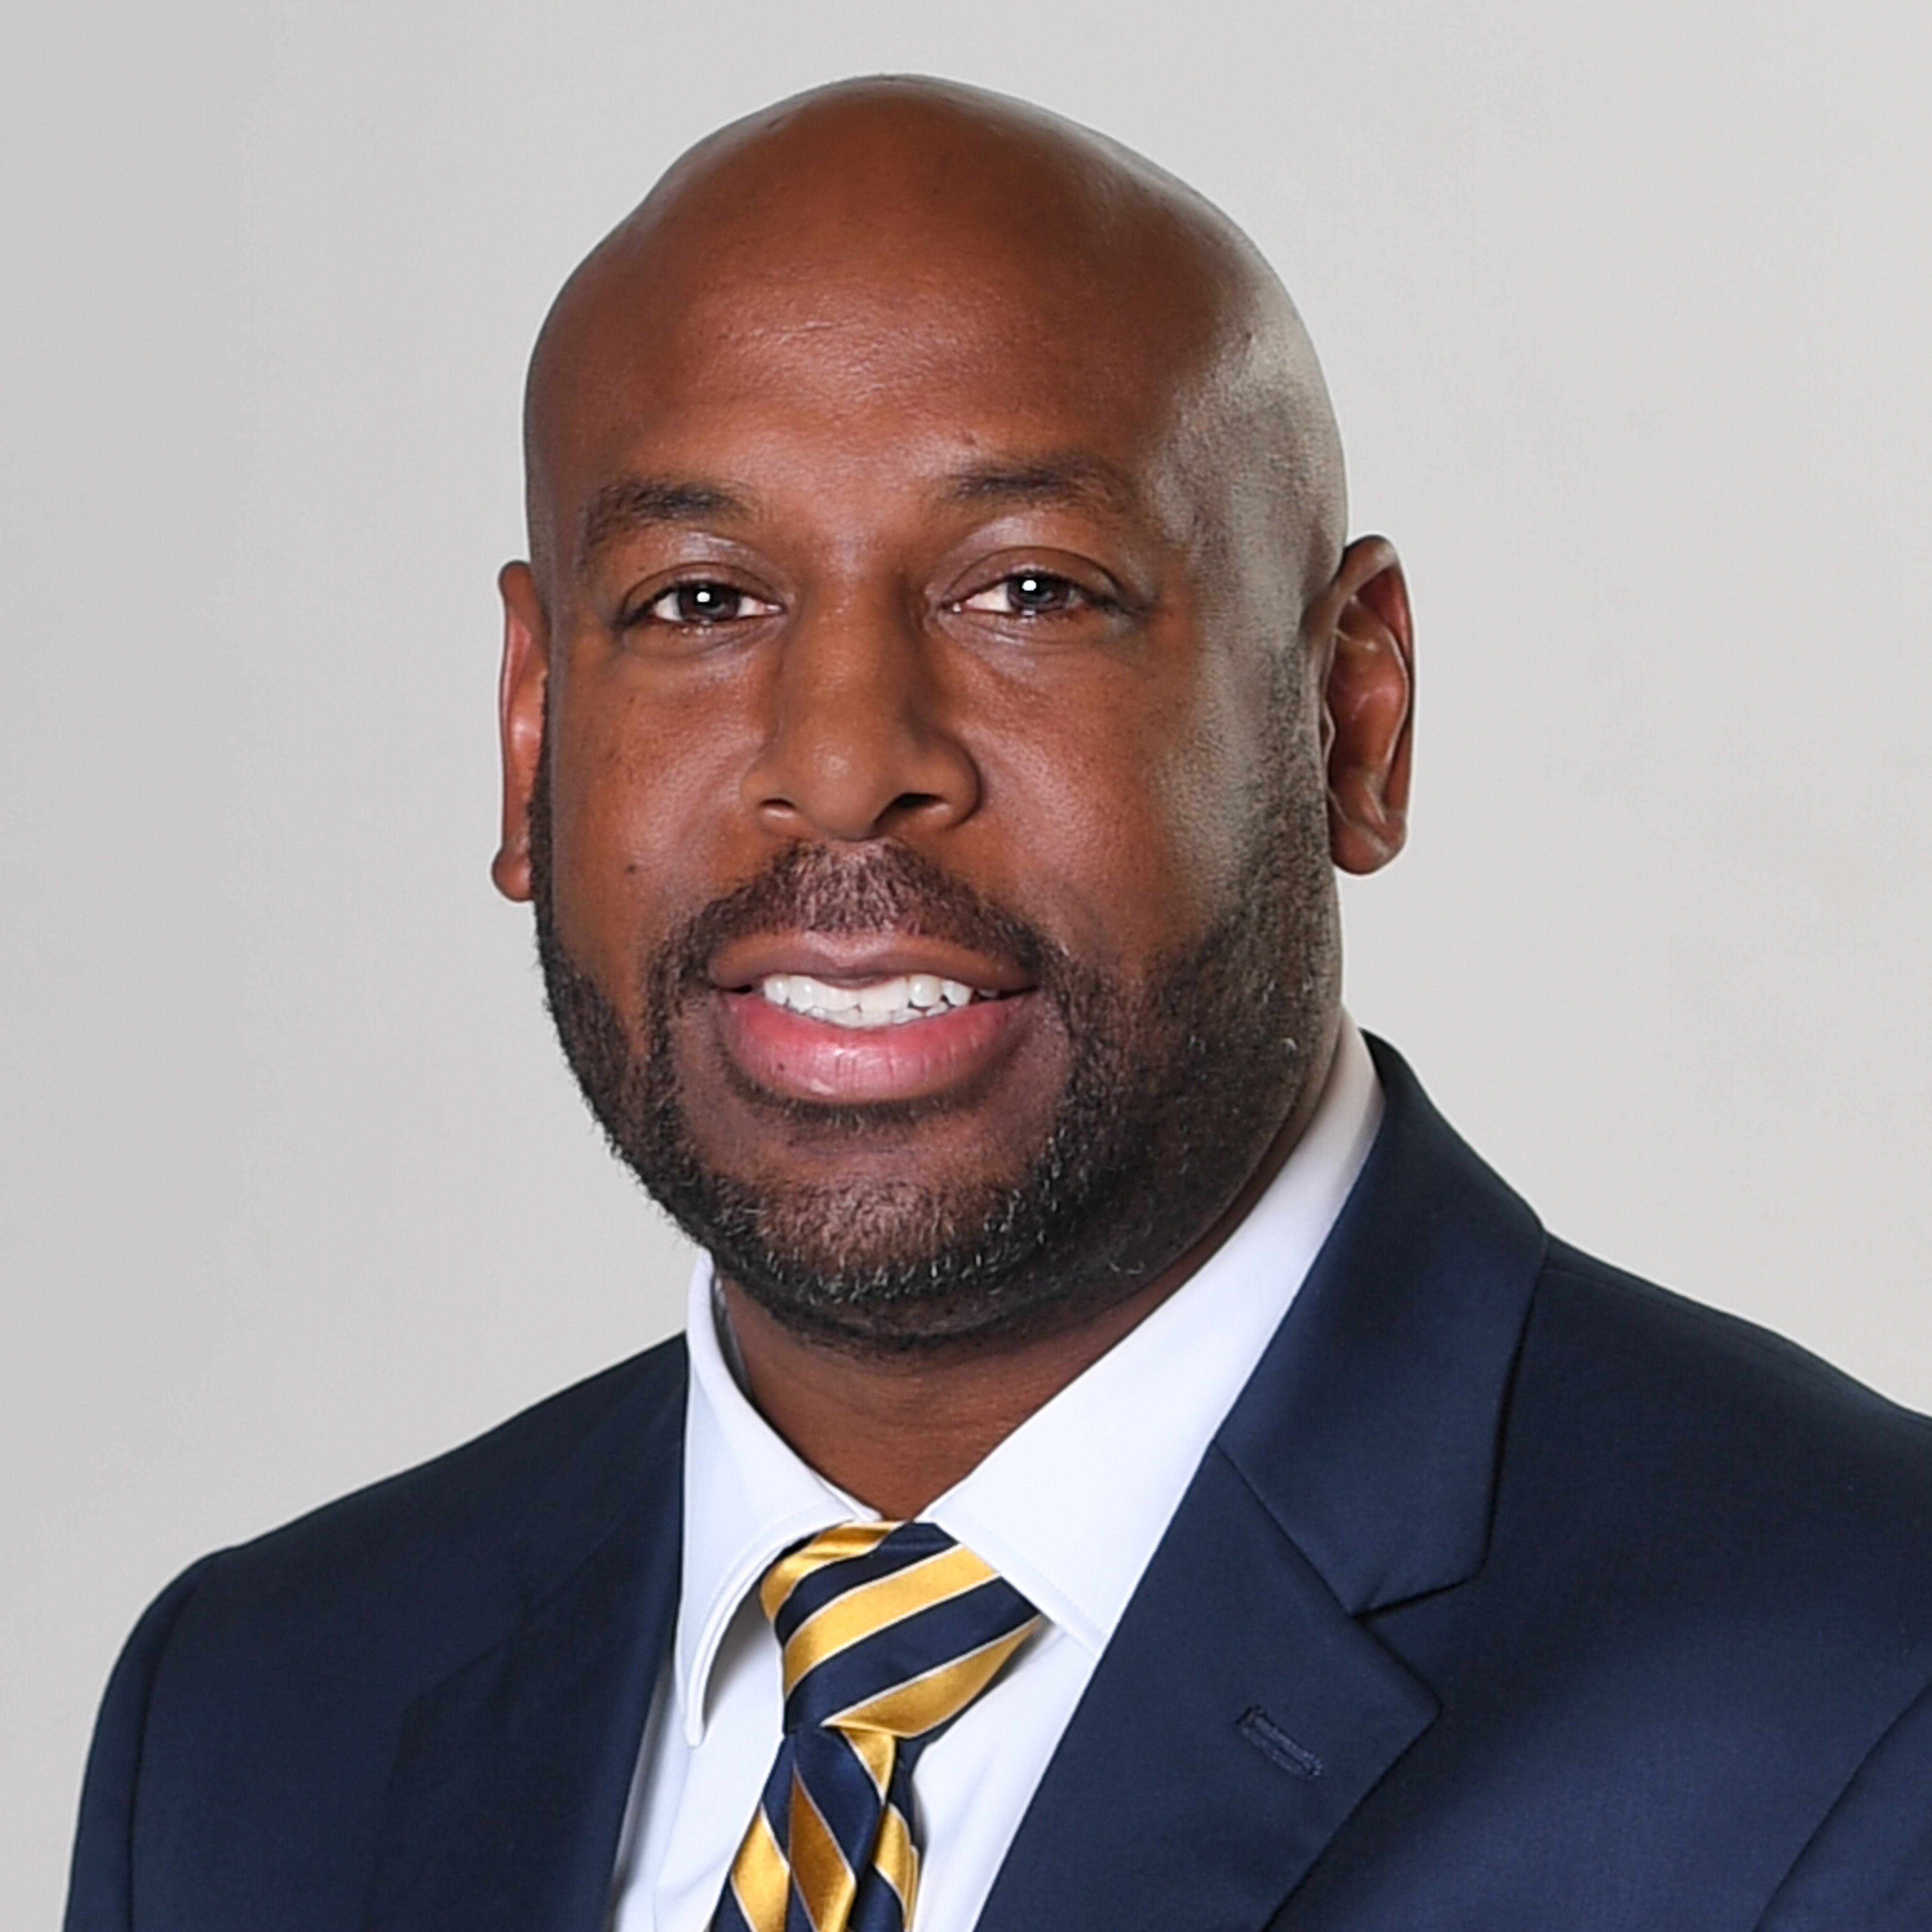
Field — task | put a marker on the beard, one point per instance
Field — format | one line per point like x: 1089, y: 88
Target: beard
x: 1174, y: 1087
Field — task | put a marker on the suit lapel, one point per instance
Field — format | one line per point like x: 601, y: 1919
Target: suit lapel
x: 1237, y: 1717
x: 507, y: 1794
x: 1372, y: 1426
x: 1241, y: 1711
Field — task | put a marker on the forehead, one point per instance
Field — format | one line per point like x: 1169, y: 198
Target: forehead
x: 934, y: 330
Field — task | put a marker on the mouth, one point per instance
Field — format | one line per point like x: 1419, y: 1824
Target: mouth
x: 851, y: 1020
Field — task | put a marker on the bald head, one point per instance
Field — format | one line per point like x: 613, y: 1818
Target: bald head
x: 884, y: 225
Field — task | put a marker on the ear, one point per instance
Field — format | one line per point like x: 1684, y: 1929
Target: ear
x: 1369, y: 695
x: 520, y: 721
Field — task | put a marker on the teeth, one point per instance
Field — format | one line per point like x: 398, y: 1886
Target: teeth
x: 912, y: 996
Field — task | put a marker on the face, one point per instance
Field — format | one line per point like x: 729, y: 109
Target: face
x: 923, y: 781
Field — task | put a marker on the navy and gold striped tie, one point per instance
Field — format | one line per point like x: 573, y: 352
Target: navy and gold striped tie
x: 889, y: 1630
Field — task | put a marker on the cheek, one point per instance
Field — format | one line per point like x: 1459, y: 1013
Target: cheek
x: 640, y: 793
x: 1130, y: 842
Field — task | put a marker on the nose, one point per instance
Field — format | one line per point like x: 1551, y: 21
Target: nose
x: 862, y: 740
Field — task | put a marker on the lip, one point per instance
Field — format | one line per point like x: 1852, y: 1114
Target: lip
x: 789, y: 1054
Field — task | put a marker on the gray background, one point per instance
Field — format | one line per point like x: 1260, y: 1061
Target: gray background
x: 1626, y: 311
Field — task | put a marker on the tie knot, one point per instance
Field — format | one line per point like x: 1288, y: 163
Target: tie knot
x: 889, y: 1627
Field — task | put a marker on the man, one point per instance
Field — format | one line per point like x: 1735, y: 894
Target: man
x: 938, y: 693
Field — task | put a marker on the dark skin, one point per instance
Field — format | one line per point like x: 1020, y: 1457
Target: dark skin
x: 852, y: 520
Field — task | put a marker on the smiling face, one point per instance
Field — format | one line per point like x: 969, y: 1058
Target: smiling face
x: 913, y: 714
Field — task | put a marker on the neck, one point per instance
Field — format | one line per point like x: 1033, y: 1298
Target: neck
x: 898, y: 1429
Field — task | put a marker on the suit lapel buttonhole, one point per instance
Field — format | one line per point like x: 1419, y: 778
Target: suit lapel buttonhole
x: 1275, y: 1745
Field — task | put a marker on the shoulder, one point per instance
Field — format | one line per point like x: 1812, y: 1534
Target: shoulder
x: 1684, y: 1585
x: 1610, y: 1403
x: 1661, y: 1403
x: 425, y: 1567
x: 1709, y: 1515
x: 246, y: 1741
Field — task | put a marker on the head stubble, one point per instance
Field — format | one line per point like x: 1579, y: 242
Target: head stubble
x: 1175, y: 1088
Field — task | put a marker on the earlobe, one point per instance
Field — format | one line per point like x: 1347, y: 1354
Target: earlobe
x: 1370, y: 704
x: 520, y: 717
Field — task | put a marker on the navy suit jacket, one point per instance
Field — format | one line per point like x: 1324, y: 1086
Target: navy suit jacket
x: 1514, y: 1593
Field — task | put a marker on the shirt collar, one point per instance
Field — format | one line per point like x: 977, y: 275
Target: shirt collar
x: 1068, y: 1507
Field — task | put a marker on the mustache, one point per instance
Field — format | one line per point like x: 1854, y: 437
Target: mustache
x: 886, y: 889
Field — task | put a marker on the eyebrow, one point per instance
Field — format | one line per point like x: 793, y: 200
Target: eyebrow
x: 637, y: 502
x: 1069, y: 477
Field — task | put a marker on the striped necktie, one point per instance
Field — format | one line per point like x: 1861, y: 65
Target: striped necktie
x: 889, y: 1631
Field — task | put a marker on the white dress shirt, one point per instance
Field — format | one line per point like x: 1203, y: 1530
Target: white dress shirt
x: 1069, y: 1508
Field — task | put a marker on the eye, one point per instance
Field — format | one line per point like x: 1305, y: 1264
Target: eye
x: 1030, y: 593
x: 703, y: 602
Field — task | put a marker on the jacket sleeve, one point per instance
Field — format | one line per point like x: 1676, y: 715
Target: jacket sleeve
x: 100, y: 1890
x: 1870, y: 1864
